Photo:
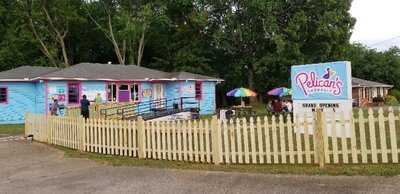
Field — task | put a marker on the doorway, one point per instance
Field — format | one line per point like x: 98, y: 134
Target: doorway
x: 158, y: 94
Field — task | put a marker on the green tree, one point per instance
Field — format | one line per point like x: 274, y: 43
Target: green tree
x: 374, y: 65
x: 17, y: 47
x: 126, y: 25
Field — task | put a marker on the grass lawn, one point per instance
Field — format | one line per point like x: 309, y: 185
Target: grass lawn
x: 6, y: 130
x: 349, y: 170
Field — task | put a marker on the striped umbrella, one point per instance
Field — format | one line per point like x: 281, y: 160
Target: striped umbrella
x: 241, y: 92
x: 281, y: 91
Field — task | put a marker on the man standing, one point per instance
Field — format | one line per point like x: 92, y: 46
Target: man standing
x: 85, y: 107
x: 97, y: 101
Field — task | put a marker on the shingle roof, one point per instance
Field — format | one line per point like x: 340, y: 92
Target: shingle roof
x: 186, y: 75
x: 357, y: 82
x: 96, y: 71
x: 25, y: 73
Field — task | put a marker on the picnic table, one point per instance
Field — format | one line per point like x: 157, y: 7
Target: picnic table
x: 243, y: 111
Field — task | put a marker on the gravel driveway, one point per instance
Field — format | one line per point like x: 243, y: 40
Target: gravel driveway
x: 37, y: 168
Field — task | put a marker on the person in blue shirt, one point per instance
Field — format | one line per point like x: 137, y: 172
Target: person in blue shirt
x: 85, y: 107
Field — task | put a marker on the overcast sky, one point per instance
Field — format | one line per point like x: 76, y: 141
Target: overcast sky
x: 377, y: 20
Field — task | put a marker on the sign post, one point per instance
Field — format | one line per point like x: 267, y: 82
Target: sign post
x: 324, y: 86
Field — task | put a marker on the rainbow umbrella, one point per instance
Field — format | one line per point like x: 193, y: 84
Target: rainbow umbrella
x: 281, y: 91
x: 241, y: 92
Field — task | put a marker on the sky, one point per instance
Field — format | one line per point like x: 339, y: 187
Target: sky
x: 378, y: 23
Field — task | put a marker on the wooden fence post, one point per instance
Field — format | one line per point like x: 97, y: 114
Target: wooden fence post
x: 82, y: 130
x: 47, y: 128
x: 319, y: 137
x: 27, y: 124
x: 141, y: 138
x: 216, y: 140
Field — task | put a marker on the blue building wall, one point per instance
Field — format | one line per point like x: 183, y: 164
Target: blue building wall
x: 172, y: 92
x: 91, y: 88
x: 207, y: 103
x: 21, y: 99
x: 32, y: 96
x: 207, y: 100
x: 146, y: 91
x: 57, y: 90
x: 40, y: 91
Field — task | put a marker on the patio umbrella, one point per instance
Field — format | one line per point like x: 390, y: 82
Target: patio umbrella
x: 281, y: 91
x: 241, y: 92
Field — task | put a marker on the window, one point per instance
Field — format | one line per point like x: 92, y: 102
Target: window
x: 111, y: 92
x: 123, y: 87
x: 198, y: 89
x: 134, y: 92
x: 73, y: 93
x: 3, y: 95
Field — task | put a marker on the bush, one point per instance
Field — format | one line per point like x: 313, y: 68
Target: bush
x: 378, y: 99
x: 391, y: 101
x: 395, y: 93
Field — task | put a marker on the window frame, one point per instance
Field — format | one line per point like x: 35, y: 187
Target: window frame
x: 198, y: 92
x: 110, y: 94
x: 6, y: 95
x: 132, y: 86
x: 78, y: 87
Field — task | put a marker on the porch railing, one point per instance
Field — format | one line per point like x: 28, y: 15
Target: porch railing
x: 152, y: 108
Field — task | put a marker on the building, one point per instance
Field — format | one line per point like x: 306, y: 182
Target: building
x: 365, y: 91
x: 32, y: 89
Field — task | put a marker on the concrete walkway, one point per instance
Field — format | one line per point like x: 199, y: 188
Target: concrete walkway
x: 37, y: 168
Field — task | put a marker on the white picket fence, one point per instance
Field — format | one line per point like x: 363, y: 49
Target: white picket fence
x: 260, y: 140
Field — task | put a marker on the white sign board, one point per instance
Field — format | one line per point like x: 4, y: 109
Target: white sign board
x: 326, y: 86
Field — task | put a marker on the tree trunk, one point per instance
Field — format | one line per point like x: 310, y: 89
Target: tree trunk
x: 250, y: 81
x: 43, y: 46
x: 132, y: 53
x: 64, y: 52
x: 58, y: 36
x: 121, y: 59
x: 36, y: 35
x: 141, y: 48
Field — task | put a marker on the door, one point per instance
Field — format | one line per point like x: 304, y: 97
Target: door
x: 158, y: 94
x: 123, y: 93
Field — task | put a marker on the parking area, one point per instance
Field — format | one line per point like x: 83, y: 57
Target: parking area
x: 38, y: 168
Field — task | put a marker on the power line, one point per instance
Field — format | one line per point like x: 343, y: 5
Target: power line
x: 387, y: 40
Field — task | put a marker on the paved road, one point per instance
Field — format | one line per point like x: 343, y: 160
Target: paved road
x: 37, y: 168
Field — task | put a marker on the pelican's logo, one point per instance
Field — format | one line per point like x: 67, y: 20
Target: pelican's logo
x: 329, y: 82
x: 329, y: 73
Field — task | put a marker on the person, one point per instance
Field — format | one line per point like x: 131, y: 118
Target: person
x: 54, y: 108
x: 269, y: 106
x: 277, y: 105
x: 85, y: 107
x: 289, y: 106
x: 285, y: 106
x: 97, y: 101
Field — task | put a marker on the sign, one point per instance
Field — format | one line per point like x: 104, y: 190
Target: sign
x: 325, y: 86
x: 146, y: 93
x: 325, y: 81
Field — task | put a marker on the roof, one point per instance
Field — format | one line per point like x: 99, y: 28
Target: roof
x: 357, y: 82
x: 24, y: 73
x: 111, y: 72
x: 182, y: 75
